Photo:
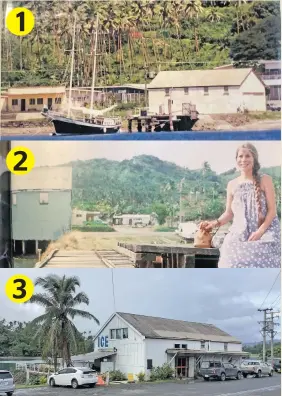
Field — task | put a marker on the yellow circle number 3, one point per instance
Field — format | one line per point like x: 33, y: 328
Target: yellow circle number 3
x: 20, y: 21
x: 19, y: 289
x: 20, y: 160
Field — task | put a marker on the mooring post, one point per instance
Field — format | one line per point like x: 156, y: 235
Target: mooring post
x: 170, y: 114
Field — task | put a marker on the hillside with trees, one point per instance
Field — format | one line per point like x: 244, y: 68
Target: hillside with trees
x: 133, y: 35
x: 146, y: 184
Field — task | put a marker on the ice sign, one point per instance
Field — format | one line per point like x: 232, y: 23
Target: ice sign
x: 103, y: 342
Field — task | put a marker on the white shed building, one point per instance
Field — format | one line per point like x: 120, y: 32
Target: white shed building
x: 217, y: 91
x: 136, y: 343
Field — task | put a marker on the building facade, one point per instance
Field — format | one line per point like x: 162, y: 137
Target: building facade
x: 136, y: 343
x: 134, y: 220
x: 218, y: 91
x: 33, y: 99
x: 41, y: 207
x: 79, y: 217
x: 271, y: 76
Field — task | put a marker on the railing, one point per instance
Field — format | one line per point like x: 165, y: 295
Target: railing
x: 270, y: 76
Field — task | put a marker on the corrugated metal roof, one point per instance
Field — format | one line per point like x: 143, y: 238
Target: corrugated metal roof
x: 200, y: 78
x: 154, y: 327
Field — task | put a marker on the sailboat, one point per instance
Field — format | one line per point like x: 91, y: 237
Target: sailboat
x: 92, y: 121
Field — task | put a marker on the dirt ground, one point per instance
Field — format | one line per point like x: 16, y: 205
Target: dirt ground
x: 77, y: 240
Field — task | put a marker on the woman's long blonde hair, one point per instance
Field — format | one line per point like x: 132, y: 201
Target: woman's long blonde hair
x: 256, y: 177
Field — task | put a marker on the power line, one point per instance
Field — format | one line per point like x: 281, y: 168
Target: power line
x: 276, y: 300
x: 270, y: 289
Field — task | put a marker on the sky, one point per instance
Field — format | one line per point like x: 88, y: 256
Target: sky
x: 228, y: 299
x: 190, y: 154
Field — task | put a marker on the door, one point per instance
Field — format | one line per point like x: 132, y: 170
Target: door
x: 181, y: 367
x: 70, y: 374
x: 50, y: 101
x: 229, y: 370
x: 61, y: 377
x: 22, y: 104
x: 265, y: 369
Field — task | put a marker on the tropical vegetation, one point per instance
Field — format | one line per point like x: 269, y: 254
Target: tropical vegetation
x: 145, y: 184
x: 137, y: 38
x: 56, y: 332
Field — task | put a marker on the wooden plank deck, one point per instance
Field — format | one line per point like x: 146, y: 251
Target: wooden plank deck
x: 88, y: 259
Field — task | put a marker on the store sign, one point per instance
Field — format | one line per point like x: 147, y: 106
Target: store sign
x: 103, y: 342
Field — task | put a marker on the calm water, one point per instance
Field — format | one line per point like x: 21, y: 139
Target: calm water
x: 28, y: 262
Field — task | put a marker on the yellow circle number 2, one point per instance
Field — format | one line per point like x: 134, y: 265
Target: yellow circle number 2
x: 20, y: 160
x: 20, y: 21
x: 19, y: 289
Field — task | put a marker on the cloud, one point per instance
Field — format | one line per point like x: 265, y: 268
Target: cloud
x: 228, y: 299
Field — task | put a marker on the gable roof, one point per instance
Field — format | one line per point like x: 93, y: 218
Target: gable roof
x: 154, y: 327
x: 200, y: 78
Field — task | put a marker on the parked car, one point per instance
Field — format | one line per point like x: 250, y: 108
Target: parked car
x: 7, y: 384
x: 74, y: 377
x: 273, y: 107
x: 276, y: 364
x: 221, y: 371
x: 257, y: 368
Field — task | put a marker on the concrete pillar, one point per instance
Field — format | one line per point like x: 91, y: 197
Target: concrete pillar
x: 23, y: 248
x: 191, y: 372
x: 189, y: 261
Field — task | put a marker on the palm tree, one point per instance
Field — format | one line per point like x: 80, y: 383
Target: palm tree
x: 57, y: 332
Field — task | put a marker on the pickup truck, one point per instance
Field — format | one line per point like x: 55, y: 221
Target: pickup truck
x: 256, y: 367
x: 220, y: 371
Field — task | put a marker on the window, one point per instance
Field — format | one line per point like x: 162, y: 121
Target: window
x: 58, y: 100
x: 225, y: 90
x: 118, y: 332
x: 225, y: 346
x: 184, y: 346
x: 32, y: 101
x: 79, y: 215
x: 40, y: 101
x: 14, y: 199
x: 149, y: 364
x: 44, y: 198
x: 206, y: 90
x: 203, y: 345
x: 113, y: 334
x: 5, y: 375
x: 14, y: 102
x: 186, y: 90
x: 124, y: 333
x: 177, y: 346
x: 167, y: 92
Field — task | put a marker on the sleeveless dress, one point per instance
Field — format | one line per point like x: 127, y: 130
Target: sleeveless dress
x: 236, y: 251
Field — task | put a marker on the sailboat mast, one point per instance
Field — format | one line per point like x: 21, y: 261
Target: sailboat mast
x: 94, y: 65
x: 72, y: 64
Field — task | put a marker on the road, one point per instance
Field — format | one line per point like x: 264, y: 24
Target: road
x: 247, y: 387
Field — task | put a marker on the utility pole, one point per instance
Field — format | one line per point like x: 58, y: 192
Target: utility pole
x: 264, y: 330
x: 272, y: 332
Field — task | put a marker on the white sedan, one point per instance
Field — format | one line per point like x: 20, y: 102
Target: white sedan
x: 74, y: 377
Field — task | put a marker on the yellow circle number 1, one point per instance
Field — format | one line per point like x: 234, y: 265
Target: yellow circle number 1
x: 20, y: 160
x: 19, y: 289
x: 20, y: 21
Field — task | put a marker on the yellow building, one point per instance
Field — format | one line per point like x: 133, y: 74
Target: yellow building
x: 22, y: 99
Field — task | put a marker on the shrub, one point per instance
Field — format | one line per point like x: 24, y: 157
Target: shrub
x: 141, y: 377
x: 161, y: 373
x: 164, y: 229
x: 93, y: 228
x: 43, y: 380
x: 117, y: 375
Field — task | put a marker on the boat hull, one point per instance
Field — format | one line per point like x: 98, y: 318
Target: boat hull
x: 65, y: 126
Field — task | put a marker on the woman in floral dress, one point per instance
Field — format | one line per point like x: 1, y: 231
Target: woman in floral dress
x: 254, y: 238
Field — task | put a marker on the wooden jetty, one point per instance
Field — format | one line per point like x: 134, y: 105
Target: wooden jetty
x: 164, y: 122
x: 169, y: 256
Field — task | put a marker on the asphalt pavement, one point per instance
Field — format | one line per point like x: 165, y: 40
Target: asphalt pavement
x: 267, y: 386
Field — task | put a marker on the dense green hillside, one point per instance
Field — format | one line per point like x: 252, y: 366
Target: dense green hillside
x: 147, y: 184
x: 163, y: 35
